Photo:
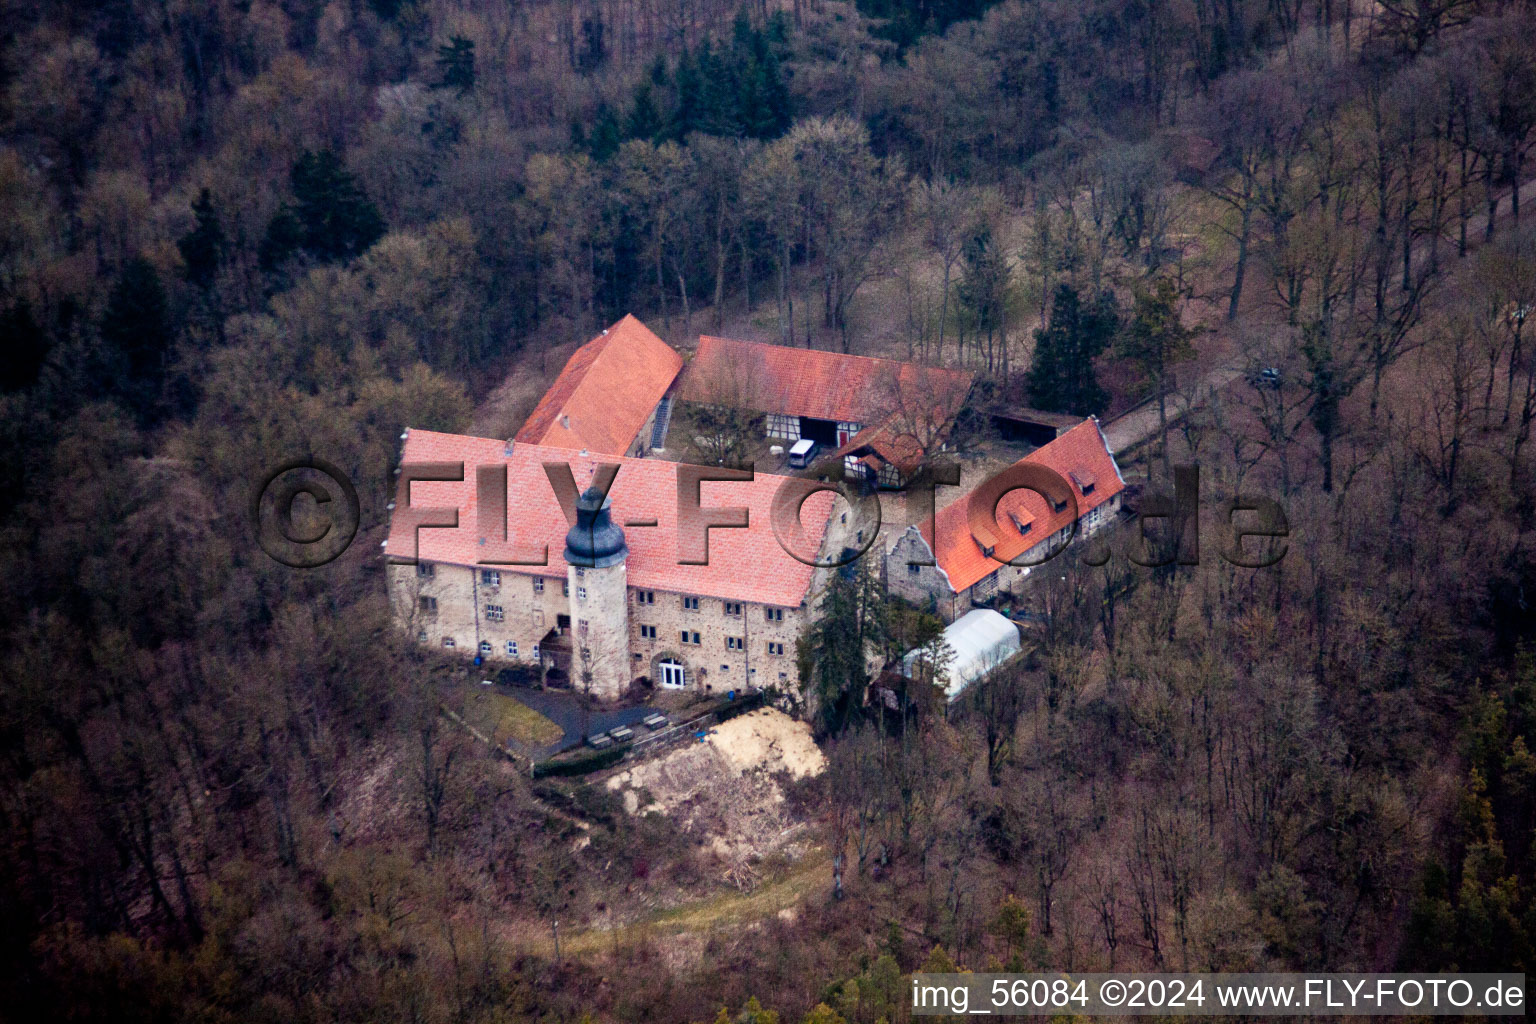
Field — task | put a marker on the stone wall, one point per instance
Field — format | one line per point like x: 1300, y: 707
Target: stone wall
x: 527, y: 615
x: 466, y: 600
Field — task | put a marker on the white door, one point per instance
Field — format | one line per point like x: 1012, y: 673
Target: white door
x: 671, y: 674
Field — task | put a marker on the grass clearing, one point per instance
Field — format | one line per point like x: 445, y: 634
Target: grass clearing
x: 504, y: 718
x: 810, y: 879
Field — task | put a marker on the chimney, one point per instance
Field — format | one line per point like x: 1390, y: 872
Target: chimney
x: 565, y: 421
x: 507, y: 451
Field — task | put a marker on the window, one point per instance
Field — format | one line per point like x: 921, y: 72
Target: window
x: 581, y: 626
x: 494, y: 613
x: 490, y: 577
x: 565, y: 588
x: 534, y: 653
x: 485, y: 648
x: 671, y: 673
x: 448, y: 641
x: 913, y: 568
x: 511, y: 648
x: 690, y: 604
x: 1019, y: 524
x: 691, y: 637
x: 1058, y: 505
x: 734, y: 643
x: 783, y: 676
x: 586, y: 654
x: 645, y: 597
x: 429, y: 605
x: 580, y: 572
x: 425, y: 569
x: 725, y: 668
x: 774, y: 614
x: 648, y: 632
x: 538, y: 585
x: 421, y: 637
x: 775, y: 648
x: 581, y: 593
x: 1088, y: 489
x: 733, y: 607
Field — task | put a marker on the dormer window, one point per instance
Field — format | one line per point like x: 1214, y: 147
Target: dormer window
x: 1084, y: 480
x: 1019, y: 524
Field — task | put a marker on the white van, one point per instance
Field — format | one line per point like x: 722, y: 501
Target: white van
x: 802, y: 453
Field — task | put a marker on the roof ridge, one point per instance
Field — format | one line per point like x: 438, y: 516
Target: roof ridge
x: 839, y: 355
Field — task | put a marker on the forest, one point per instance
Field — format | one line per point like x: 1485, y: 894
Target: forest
x: 233, y: 232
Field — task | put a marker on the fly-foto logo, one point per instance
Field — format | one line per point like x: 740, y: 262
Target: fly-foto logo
x: 1165, y: 529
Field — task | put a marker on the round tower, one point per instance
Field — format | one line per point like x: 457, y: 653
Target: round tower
x: 595, y: 553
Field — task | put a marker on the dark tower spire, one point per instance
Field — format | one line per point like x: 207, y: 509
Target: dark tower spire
x: 594, y: 541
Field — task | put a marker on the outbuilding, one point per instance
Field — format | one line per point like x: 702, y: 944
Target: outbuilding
x: 978, y: 642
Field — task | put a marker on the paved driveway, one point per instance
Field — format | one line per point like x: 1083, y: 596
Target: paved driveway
x: 1140, y: 424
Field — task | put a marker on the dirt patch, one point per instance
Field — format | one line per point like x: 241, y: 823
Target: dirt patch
x: 769, y: 740
x: 724, y: 791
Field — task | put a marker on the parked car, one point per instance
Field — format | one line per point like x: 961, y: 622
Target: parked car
x: 803, y: 453
x: 1265, y: 377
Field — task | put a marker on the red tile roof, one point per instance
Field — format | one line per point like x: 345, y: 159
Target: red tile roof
x: 744, y: 564
x: 1081, y: 455
x: 606, y: 392
x: 888, y: 443
x: 822, y: 385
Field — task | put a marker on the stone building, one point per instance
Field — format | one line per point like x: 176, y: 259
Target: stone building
x: 540, y: 570
x: 955, y: 572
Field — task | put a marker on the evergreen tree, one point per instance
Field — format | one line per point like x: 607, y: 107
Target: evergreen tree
x: 717, y: 93
x: 202, y: 248
x: 456, y: 66
x: 606, y: 136
x: 594, y: 51
x: 1062, y: 378
x: 832, y: 652
x: 331, y: 217
x: 644, y: 121
x: 906, y: 21
x: 762, y: 97
x: 686, y: 116
x: 24, y: 344
x: 136, y: 329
